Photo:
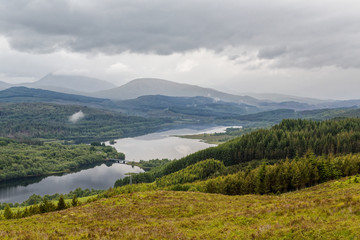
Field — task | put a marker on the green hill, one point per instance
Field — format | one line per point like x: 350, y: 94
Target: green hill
x: 288, y: 139
x: 51, y: 121
x: 327, y: 211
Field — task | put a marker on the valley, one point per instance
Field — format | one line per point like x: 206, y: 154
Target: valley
x: 179, y: 120
x: 260, y: 165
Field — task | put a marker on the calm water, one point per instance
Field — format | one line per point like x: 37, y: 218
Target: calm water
x: 163, y: 144
x: 99, y: 177
x: 156, y: 145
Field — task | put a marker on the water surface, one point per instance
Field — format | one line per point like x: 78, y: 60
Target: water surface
x: 151, y: 146
x: 163, y: 144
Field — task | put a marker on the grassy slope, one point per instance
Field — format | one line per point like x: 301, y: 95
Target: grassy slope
x: 327, y: 211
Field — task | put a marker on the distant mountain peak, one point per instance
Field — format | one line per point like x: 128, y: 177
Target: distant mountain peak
x: 72, y: 82
x: 155, y: 86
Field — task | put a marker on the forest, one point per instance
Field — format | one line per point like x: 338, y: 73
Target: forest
x: 281, y: 177
x: 18, y: 160
x: 288, y: 139
x: 51, y: 121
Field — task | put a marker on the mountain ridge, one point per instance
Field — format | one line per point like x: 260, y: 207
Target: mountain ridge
x: 70, y: 84
x: 155, y: 86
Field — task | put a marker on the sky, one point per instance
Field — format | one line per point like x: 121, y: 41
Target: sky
x: 298, y: 47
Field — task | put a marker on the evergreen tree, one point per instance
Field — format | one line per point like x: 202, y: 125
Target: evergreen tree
x: 61, y: 204
x: 74, y: 201
x: 8, y: 214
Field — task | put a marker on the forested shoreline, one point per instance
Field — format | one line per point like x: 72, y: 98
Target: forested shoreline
x: 289, y: 139
x: 20, y: 160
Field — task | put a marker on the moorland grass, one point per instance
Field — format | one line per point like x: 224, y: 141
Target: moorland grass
x: 326, y: 211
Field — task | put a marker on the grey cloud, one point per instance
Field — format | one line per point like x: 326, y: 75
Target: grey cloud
x: 292, y: 33
x: 271, y: 53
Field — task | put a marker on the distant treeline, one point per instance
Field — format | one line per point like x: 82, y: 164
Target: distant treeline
x: 36, y: 199
x: 44, y: 207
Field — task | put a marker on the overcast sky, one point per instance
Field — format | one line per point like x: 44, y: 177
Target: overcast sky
x: 306, y: 47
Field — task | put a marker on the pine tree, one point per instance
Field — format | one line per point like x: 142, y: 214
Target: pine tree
x: 61, y: 204
x: 7, y: 212
x: 74, y: 201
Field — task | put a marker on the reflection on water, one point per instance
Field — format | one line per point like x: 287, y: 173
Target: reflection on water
x: 150, y: 146
x: 99, y: 177
x: 163, y: 144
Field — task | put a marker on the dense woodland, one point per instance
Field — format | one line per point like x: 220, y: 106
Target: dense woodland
x: 19, y: 160
x: 288, y: 139
x: 211, y: 176
x: 287, y: 175
x: 51, y: 121
x: 201, y: 170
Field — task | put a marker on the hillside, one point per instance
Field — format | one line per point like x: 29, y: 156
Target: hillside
x: 153, y: 86
x: 159, y: 105
x: 52, y: 121
x: 4, y: 85
x: 288, y: 139
x: 70, y: 84
x: 285, y: 98
x: 327, y: 211
x: 24, y: 94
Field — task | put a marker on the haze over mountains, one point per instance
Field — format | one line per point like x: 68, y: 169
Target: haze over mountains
x: 154, y: 86
x: 95, y: 88
x: 70, y: 84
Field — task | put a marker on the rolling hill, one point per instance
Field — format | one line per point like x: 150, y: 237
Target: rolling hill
x: 52, y: 121
x: 24, y: 94
x: 327, y: 211
x: 159, y: 105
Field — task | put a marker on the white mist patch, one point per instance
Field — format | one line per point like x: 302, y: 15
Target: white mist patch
x: 76, y: 117
x: 216, y: 100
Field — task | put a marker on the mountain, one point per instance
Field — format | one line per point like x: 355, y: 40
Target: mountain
x: 55, y: 121
x: 275, y: 97
x: 85, y: 86
x: 340, y: 104
x: 159, y: 105
x: 24, y: 94
x: 70, y: 84
x: 4, y: 85
x: 154, y: 86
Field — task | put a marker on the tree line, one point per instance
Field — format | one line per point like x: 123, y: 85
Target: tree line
x: 288, y: 139
x: 287, y: 175
x: 44, y: 207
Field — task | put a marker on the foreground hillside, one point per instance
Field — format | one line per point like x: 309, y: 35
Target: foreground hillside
x: 327, y: 211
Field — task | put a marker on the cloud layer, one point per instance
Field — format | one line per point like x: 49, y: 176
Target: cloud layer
x: 300, y: 47
x: 302, y: 34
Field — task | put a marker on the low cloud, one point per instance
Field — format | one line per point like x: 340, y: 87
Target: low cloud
x: 76, y: 117
x: 315, y: 34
